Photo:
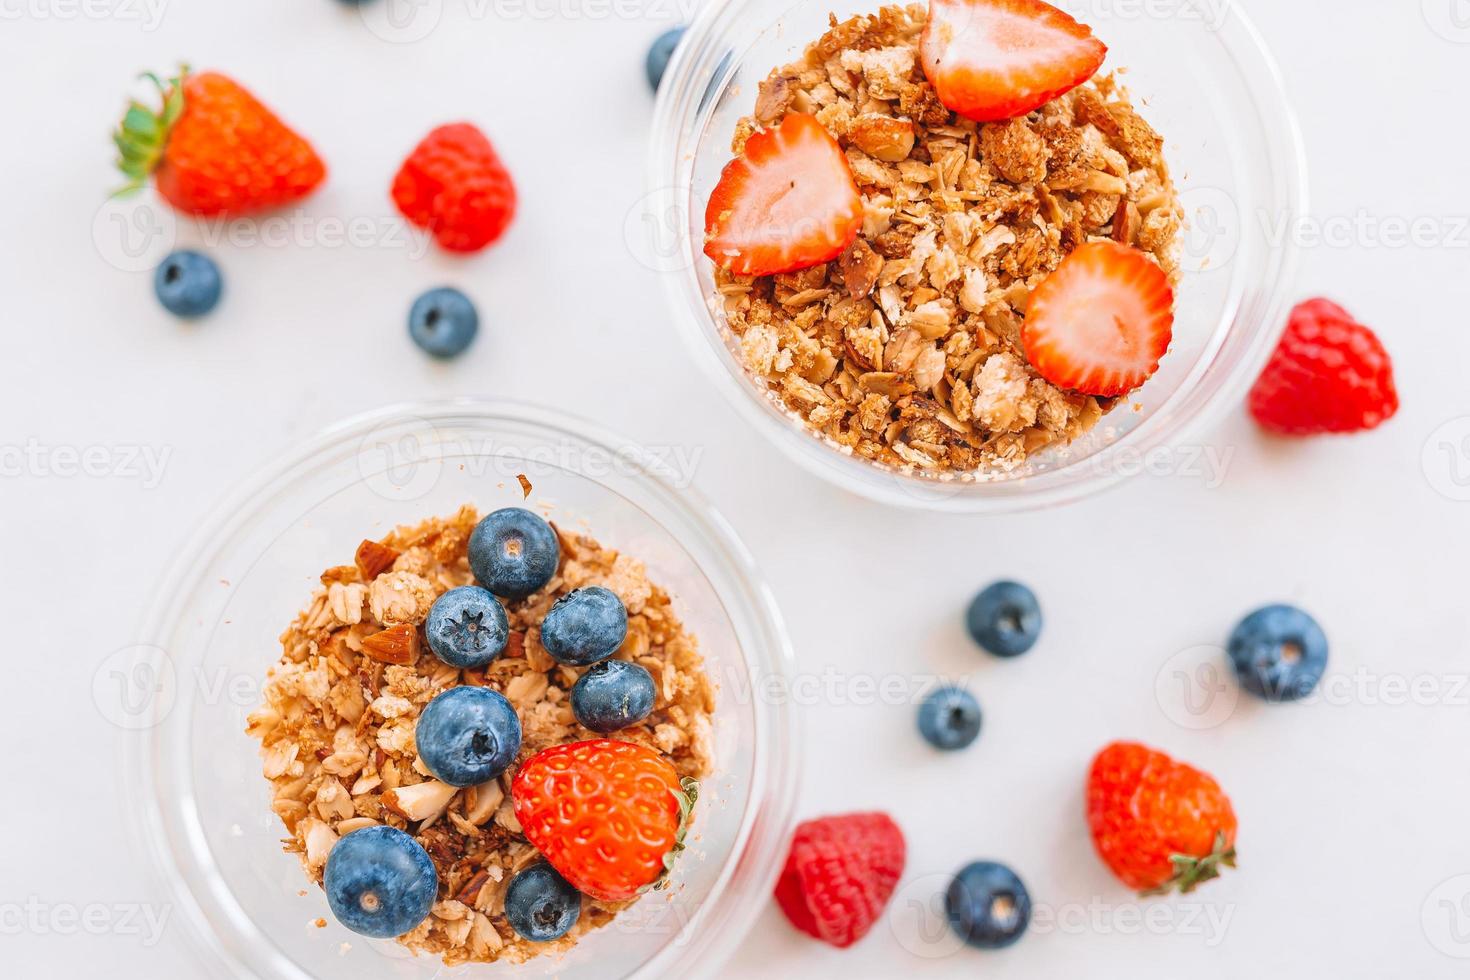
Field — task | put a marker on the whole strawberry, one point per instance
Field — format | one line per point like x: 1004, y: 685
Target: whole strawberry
x: 1160, y: 825
x: 454, y: 186
x: 840, y: 874
x: 213, y: 150
x: 1329, y: 374
x: 609, y: 816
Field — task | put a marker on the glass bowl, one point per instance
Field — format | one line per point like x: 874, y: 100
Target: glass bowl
x: 213, y: 632
x: 1200, y: 74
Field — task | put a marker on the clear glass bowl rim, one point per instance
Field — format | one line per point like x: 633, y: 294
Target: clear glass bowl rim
x: 703, y: 64
x: 748, y: 875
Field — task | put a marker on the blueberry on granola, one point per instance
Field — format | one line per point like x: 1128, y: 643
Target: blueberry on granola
x: 468, y: 735
x: 612, y: 695
x: 1279, y: 653
x: 949, y: 719
x: 540, y: 905
x: 1005, y: 619
x: 443, y: 322
x: 380, y: 882
x: 585, y: 626
x: 513, y: 552
x: 467, y: 627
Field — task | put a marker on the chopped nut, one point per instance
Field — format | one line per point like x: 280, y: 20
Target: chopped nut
x: 421, y: 801
x: 373, y: 558
x: 482, y: 801
x: 883, y: 137
x: 859, y: 266
x: 394, y: 645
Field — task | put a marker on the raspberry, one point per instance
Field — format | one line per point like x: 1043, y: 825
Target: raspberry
x: 1328, y: 374
x: 840, y: 874
x: 454, y: 185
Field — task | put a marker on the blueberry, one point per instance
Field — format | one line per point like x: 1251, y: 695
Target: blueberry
x: 188, y: 284
x: 513, y: 552
x: 585, y: 626
x: 380, y: 882
x: 988, y: 906
x: 468, y: 735
x: 443, y: 322
x: 1005, y: 619
x: 467, y: 627
x: 612, y: 695
x: 1279, y: 653
x: 949, y: 719
x: 540, y: 905
x: 660, y: 53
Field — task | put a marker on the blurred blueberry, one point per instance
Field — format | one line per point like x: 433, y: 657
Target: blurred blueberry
x: 188, y: 284
x: 1279, y: 653
x: 443, y: 321
x: 1005, y: 619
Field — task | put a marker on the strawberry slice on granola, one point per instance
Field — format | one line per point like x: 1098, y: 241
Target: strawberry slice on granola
x: 787, y: 202
x: 1100, y: 323
x: 997, y: 59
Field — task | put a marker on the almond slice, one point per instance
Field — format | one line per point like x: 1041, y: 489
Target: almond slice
x: 482, y: 801
x: 421, y: 801
x: 394, y: 645
x: 373, y: 558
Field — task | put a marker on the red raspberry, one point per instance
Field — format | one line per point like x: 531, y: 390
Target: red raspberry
x: 840, y: 874
x: 454, y: 185
x: 1328, y: 374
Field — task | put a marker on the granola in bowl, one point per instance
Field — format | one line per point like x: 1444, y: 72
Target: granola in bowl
x: 338, y: 723
x: 906, y: 345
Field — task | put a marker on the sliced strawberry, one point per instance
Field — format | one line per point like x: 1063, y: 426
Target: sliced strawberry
x: 1101, y: 321
x: 998, y: 59
x: 788, y: 202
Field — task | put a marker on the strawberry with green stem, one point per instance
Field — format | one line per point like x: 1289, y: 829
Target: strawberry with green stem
x: 1160, y: 825
x: 212, y: 149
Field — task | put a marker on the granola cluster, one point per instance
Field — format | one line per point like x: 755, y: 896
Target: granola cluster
x: 906, y: 350
x: 337, y: 724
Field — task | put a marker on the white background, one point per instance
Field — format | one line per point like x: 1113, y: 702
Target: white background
x: 1353, y: 809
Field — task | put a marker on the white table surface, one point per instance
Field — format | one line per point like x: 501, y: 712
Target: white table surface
x: 1353, y: 809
